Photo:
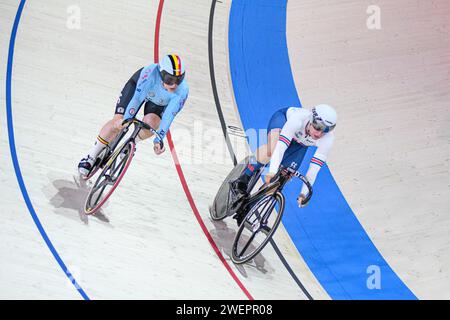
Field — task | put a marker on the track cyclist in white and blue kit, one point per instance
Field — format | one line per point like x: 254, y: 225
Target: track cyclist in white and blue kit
x: 290, y: 132
x: 163, y: 89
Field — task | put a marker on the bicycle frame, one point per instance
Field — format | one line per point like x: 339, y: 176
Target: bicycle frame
x: 139, y: 125
x: 276, y: 185
x: 113, y: 171
x: 107, y: 153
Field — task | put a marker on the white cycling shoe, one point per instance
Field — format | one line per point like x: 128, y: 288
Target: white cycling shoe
x: 85, y: 165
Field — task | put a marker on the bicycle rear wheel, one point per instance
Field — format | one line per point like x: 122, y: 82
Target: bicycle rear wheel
x: 258, y: 227
x: 219, y: 208
x: 110, y: 177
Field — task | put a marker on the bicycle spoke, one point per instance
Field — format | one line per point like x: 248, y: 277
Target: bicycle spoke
x: 101, y: 192
x: 257, y: 212
x: 105, y: 182
x: 112, y: 166
x: 119, y: 166
x: 266, y: 215
x: 247, y: 244
x: 268, y: 201
x: 257, y: 216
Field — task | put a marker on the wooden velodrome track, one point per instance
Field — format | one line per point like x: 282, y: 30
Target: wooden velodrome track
x: 391, y: 157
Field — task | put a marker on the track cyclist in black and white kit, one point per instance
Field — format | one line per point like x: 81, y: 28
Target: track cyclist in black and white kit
x: 293, y: 129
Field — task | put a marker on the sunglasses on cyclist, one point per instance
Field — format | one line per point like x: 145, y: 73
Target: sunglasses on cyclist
x: 169, y: 79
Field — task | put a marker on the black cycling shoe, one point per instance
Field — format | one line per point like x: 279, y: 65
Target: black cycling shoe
x: 240, y: 185
x: 239, y: 217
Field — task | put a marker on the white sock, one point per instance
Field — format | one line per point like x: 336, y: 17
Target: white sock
x: 99, y: 145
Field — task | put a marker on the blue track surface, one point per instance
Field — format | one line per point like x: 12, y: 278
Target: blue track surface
x: 326, y: 233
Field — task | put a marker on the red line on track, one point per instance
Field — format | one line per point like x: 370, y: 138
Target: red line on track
x: 182, y: 178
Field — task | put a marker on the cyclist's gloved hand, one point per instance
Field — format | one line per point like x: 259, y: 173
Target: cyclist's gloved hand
x: 301, y: 201
x: 268, y: 177
x: 157, y: 148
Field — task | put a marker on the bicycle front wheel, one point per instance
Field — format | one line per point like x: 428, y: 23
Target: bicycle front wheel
x: 110, y: 177
x: 257, y: 228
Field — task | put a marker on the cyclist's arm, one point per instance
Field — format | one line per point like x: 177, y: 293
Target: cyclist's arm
x: 286, y: 134
x: 175, y: 105
x: 318, y: 160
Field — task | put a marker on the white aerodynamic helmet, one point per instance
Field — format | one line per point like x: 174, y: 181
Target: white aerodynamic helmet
x: 323, y: 118
x: 171, y: 69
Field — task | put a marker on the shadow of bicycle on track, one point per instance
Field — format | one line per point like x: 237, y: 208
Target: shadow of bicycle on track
x: 223, y: 236
x: 69, y: 199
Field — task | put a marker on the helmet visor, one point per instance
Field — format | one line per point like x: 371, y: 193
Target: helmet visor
x: 320, y: 126
x: 169, y: 79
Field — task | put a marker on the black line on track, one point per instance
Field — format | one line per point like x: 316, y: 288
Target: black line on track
x: 214, y: 86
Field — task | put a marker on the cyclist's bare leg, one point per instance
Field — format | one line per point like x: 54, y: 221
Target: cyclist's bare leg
x: 264, y: 152
x: 153, y: 121
x: 111, y: 128
x: 263, y: 155
x: 108, y: 132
